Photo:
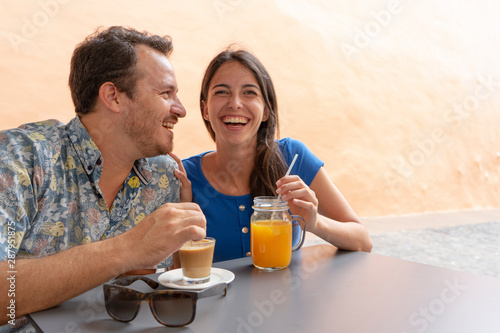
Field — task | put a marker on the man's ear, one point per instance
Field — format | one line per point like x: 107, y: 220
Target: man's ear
x: 109, y: 95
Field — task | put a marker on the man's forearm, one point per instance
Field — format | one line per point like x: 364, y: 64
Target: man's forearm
x: 45, y: 282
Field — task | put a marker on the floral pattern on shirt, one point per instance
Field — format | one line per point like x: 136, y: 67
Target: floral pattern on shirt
x: 50, y: 199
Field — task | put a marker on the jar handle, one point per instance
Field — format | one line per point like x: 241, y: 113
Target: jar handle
x: 298, y: 228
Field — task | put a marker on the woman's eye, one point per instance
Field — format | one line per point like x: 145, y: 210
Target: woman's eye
x: 220, y: 92
x: 250, y: 92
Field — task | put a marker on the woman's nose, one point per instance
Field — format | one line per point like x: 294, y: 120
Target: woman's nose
x: 235, y: 102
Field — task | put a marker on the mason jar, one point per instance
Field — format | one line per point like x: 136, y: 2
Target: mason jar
x: 274, y: 233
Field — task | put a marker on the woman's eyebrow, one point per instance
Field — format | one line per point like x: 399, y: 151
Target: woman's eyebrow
x: 248, y: 85
x: 223, y: 85
x: 251, y: 85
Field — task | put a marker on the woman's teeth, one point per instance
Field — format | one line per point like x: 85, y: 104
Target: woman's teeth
x: 235, y: 120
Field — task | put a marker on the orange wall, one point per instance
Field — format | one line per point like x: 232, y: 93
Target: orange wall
x: 399, y: 98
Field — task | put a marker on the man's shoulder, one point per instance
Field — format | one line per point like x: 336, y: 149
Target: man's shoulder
x: 36, y: 132
x: 42, y: 125
x: 39, y: 136
x: 158, y: 171
x: 160, y: 165
x: 162, y: 160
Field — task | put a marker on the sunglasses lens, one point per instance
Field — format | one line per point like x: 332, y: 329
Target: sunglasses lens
x: 121, y: 304
x: 174, y: 309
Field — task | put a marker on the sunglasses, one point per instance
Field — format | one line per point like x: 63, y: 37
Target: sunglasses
x: 173, y: 308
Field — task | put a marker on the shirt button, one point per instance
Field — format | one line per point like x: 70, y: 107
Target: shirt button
x: 244, y: 230
x: 89, y: 167
x: 98, y: 162
x: 242, y: 207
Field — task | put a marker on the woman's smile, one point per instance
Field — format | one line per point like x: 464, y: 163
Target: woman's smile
x: 235, y: 121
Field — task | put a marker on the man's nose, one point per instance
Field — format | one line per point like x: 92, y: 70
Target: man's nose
x: 177, y: 108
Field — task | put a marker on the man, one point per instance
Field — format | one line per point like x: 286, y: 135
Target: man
x: 84, y: 202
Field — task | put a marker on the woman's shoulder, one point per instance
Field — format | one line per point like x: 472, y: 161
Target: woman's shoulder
x: 193, y: 166
x: 196, y: 158
x: 291, y: 145
x: 307, y: 164
x: 193, y: 159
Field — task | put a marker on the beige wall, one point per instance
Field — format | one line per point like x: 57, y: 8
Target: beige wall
x: 399, y: 98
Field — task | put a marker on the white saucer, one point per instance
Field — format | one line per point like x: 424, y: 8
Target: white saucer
x: 174, y: 279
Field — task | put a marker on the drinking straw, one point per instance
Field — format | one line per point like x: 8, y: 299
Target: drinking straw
x: 290, y: 169
x: 287, y: 173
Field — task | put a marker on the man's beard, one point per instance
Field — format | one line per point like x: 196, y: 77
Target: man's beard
x: 141, y: 130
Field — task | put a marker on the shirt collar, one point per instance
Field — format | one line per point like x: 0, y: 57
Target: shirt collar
x: 90, y: 155
x: 143, y: 170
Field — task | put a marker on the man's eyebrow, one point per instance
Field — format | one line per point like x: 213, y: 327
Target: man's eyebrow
x: 168, y: 87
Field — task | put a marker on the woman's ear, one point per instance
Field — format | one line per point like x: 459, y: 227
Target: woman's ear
x: 205, y: 110
x: 265, y: 117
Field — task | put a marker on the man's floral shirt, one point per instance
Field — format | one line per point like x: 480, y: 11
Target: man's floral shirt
x: 50, y: 199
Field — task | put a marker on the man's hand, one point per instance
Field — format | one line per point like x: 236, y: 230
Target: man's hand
x: 162, y: 233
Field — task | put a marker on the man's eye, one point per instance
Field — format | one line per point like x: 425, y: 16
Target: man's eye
x: 166, y: 93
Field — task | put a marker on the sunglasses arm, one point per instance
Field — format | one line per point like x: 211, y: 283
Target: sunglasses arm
x: 126, y: 281
x: 217, y: 289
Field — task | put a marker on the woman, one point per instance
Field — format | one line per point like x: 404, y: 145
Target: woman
x: 239, y: 108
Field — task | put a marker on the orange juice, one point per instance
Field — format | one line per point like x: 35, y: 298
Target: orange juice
x: 271, y: 244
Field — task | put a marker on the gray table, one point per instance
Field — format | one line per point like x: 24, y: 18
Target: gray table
x: 323, y: 290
